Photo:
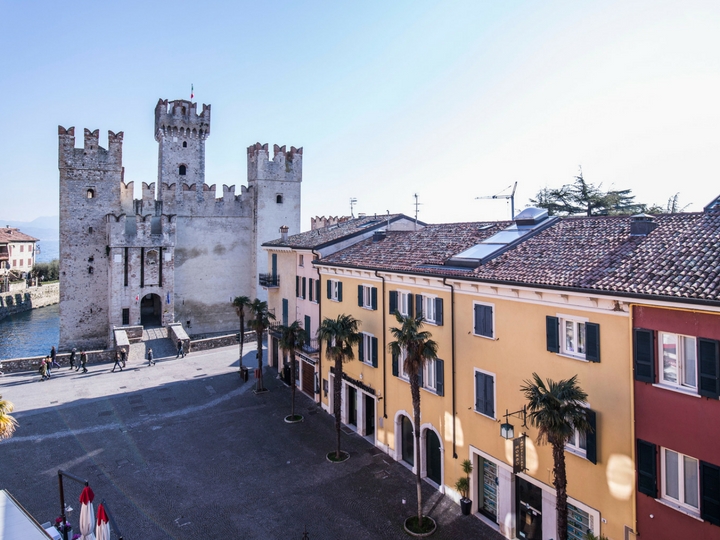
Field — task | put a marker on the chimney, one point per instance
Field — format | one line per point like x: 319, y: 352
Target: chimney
x: 378, y: 236
x: 284, y: 233
x: 642, y: 224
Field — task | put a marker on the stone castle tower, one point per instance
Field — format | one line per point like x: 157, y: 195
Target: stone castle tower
x: 177, y: 254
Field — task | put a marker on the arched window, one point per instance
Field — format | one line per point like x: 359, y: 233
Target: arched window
x: 90, y: 194
x: 182, y: 170
x: 184, y: 144
x: 278, y: 198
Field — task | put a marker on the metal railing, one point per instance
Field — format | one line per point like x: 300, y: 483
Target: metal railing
x: 269, y: 280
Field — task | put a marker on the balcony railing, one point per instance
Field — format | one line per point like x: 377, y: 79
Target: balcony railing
x: 269, y: 281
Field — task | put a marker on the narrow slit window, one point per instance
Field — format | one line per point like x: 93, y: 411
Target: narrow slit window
x: 183, y: 170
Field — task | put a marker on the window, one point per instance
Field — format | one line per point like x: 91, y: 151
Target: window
x: 368, y: 349
x: 184, y: 144
x: 577, y: 444
x: 678, y: 360
x: 584, y: 445
x: 573, y: 336
x: 126, y: 316
x: 29, y: 262
x: 334, y: 290
x: 30, y: 247
x: 90, y: 194
x: 398, y: 365
x: 22, y: 248
x: 429, y: 376
x: 311, y: 286
x: 301, y: 287
x: 367, y: 297
x: 405, y: 303
x: 301, y: 260
x: 484, y: 320
x: 22, y: 262
x: 579, y: 523
x: 182, y: 170
x: 430, y: 307
x: 680, y: 480
x: 279, y: 198
x: 485, y: 393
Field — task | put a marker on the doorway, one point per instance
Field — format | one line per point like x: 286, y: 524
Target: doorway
x: 408, y: 441
x: 487, y: 488
x: 369, y: 416
x: 150, y: 309
x: 352, y: 406
x: 529, y: 515
x: 433, y: 457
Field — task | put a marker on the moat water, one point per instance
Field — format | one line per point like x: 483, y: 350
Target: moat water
x: 30, y: 333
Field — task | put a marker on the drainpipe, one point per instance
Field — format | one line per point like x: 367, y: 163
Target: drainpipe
x: 384, y: 348
x: 319, y: 301
x: 452, y: 361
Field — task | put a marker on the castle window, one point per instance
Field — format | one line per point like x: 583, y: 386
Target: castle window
x: 184, y: 144
x: 182, y: 170
x: 90, y: 269
x: 278, y: 198
x: 90, y: 194
x: 90, y: 230
x: 91, y: 259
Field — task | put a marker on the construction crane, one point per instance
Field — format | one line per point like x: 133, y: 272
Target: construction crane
x: 511, y: 197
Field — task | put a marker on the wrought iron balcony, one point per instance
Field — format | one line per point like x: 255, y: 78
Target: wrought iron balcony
x: 269, y: 281
x: 311, y: 346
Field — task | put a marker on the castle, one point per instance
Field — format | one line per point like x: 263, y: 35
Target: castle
x: 178, y: 254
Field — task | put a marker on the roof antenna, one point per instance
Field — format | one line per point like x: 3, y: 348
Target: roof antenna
x: 353, y: 202
x: 388, y: 220
x: 417, y: 209
x: 511, y: 197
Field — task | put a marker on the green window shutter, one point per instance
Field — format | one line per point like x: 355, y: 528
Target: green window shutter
x: 410, y: 297
x: 552, y: 333
x: 479, y: 391
x: 644, y: 355
x: 421, y: 376
x: 317, y: 290
x: 274, y: 266
x: 439, y: 311
x: 592, y: 342
x: 647, y: 468
x: 710, y: 492
x: 373, y: 297
x: 419, y: 305
x: 304, y: 287
x: 360, y: 295
x: 591, y: 437
x: 285, y: 311
x: 488, y: 321
x: 311, y: 286
x: 393, y: 302
x: 329, y: 288
x: 440, y: 377
x: 374, y: 352
x: 361, y: 348
x: 478, y: 320
x: 307, y: 327
x: 709, y: 368
x: 490, y: 396
x: 297, y: 286
x: 339, y: 291
x: 395, y: 367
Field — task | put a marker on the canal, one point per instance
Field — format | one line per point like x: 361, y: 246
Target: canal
x: 30, y: 333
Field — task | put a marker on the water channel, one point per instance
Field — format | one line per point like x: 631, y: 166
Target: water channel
x: 30, y: 333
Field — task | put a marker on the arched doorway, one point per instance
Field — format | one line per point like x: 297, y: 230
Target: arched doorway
x: 150, y: 310
x: 433, y: 457
x: 408, y: 441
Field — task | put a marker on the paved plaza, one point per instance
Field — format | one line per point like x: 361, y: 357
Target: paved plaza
x: 185, y: 450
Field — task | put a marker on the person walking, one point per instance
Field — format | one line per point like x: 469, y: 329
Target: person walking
x: 151, y: 361
x: 123, y: 357
x: 53, y: 354
x: 83, y: 361
x: 180, y: 349
x: 118, y: 363
x: 72, y: 358
x: 43, y: 370
x: 48, y: 366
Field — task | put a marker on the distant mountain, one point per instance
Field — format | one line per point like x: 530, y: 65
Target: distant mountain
x: 46, y: 229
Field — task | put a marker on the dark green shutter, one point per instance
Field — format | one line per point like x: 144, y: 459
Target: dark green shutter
x: 644, y: 355
x: 285, y: 311
x: 552, y: 333
x: 439, y: 311
x: 708, y: 368
x: 488, y: 321
x: 592, y: 342
x: 297, y: 286
x: 710, y: 492
x: 393, y: 302
x: 374, y: 352
x: 489, y: 396
x: 317, y: 291
x: 361, y: 348
x: 395, y: 369
x: 311, y: 284
x: 479, y: 391
x: 373, y: 297
x: 360, y: 295
x: 591, y: 437
x: 304, y: 287
x: 419, y: 308
x: 339, y: 291
x: 307, y: 327
x: 410, y: 298
x: 440, y: 377
x: 421, y: 376
x: 274, y: 266
x: 329, y: 288
x: 647, y: 468
x: 478, y: 320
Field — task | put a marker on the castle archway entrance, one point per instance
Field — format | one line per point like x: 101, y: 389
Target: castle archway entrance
x: 150, y: 310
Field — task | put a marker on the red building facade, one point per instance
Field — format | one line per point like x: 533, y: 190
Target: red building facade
x: 677, y: 422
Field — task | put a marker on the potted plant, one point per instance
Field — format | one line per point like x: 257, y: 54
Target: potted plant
x: 463, y: 486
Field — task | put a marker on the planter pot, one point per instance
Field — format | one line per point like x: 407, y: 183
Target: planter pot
x: 417, y: 534
x: 465, y: 506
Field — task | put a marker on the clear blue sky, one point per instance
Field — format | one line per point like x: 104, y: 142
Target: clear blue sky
x: 447, y: 99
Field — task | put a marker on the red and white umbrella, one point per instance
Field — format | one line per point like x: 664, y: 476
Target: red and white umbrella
x: 102, y: 531
x: 87, y: 514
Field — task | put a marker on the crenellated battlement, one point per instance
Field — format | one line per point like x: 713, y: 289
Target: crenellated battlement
x: 320, y: 222
x: 91, y: 155
x: 285, y: 166
x: 179, y: 118
x: 140, y: 230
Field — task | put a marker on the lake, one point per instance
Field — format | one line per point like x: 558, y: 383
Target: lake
x: 30, y: 333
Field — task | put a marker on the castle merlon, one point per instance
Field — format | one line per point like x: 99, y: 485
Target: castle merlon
x: 91, y: 155
x: 180, y: 118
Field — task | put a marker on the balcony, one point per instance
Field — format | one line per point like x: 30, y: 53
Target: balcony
x: 269, y: 281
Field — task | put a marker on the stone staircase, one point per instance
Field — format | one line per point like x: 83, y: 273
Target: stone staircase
x: 155, y: 339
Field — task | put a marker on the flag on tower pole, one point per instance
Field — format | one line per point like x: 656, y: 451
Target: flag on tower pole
x: 192, y: 92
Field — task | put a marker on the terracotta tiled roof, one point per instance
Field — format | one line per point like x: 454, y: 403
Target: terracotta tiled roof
x: 327, y: 235
x: 8, y: 235
x: 680, y: 259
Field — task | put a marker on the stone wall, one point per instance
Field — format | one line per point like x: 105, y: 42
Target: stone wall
x: 29, y: 298
x: 220, y: 341
x: 15, y: 365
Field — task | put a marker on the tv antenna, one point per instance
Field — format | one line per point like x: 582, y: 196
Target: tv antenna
x: 353, y: 202
x: 499, y: 196
x: 417, y: 206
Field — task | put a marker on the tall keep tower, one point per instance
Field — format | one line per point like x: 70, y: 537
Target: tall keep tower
x: 181, y: 134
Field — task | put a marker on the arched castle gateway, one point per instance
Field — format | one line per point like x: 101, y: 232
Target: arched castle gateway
x: 178, y: 254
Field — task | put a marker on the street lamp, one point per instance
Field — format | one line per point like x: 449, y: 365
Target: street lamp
x: 507, y: 430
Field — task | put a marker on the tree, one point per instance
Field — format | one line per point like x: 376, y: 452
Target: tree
x: 49, y: 271
x: 673, y: 206
x: 339, y: 335
x: 419, y: 348
x: 7, y: 422
x: 557, y: 410
x: 241, y: 303
x: 260, y: 322
x: 581, y: 197
x: 291, y: 338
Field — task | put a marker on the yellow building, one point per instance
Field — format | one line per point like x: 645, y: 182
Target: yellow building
x: 502, y: 300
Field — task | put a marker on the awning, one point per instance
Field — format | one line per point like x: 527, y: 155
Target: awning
x: 15, y: 522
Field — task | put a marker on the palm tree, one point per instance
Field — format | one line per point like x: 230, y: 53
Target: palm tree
x: 557, y: 409
x: 260, y: 322
x: 291, y: 338
x: 419, y: 346
x: 339, y: 335
x: 241, y: 303
x: 7, y: 422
